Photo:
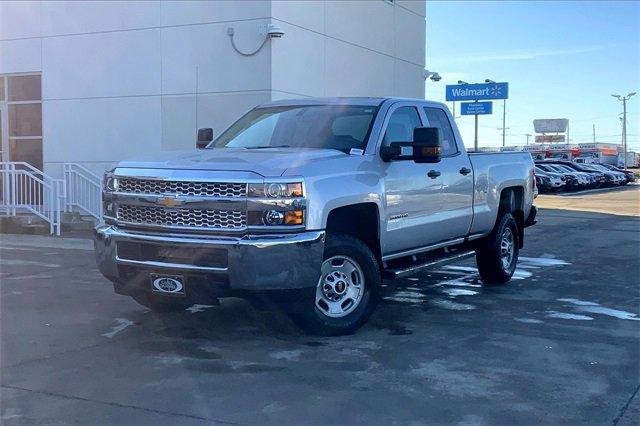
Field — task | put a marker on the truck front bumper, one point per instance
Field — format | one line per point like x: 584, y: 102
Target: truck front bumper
x: 216, y: 263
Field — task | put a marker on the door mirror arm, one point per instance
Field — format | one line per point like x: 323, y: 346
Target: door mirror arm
x: 397, y: 151
x: 425, y: 147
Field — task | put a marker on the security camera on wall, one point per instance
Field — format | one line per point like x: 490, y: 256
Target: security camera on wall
x: 274, y: 31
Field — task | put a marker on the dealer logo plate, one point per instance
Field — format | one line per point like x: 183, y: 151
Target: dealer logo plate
x: 167, y: 284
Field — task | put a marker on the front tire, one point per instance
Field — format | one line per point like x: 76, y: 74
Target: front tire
x: 497, y: 255
x: 347, y: 290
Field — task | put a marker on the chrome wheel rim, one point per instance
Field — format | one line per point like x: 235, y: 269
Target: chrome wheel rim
x: 340, y: 288
x: 507, y: 249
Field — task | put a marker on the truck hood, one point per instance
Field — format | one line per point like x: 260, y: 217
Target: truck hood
x: 265, y: 162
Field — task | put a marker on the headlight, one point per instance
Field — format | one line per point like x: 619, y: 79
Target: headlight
x: 276, y: 190
x: 110, y: 182
x: 276, y: 204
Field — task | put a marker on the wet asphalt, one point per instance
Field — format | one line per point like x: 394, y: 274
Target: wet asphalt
x: 560, y: 344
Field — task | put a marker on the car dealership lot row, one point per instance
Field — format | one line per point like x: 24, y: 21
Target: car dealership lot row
x: 560, y: 343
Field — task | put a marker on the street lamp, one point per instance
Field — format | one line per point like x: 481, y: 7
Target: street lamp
x: 528, y: 135
x: 624, y: 99
x: 504, y: 113
x: 454, y: 102
x: 431, y: 75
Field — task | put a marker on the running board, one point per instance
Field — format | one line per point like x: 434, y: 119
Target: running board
x: 443, y: 259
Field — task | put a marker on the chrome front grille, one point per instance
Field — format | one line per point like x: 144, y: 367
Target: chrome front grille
x: 196, y: 218
x: 203, y: 189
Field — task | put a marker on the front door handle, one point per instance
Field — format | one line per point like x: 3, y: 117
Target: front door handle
x: 433, y: 174
x: 465, y: 171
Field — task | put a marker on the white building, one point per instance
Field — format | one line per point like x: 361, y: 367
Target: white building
x: 95, y: 82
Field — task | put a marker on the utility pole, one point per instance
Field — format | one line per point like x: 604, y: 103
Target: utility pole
x: 624, y: 122
x: 624, y: 129
x: 504, y: 114
x: 594, y: 133
x: 504, y: 118
x: 475, y: 140
x: 528, y: 135
x: 503, y: 130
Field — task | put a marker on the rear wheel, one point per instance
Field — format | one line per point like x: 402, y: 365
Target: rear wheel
x: 497, y: 255
x: 347, y: 289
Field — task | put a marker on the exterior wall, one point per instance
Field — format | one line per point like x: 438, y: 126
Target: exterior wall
x: 119, y: 79
x: 349, y: 48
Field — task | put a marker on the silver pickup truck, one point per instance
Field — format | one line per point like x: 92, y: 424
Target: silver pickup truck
x: 308, y: 205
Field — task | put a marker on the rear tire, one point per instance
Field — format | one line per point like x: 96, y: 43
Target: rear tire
x: 347, y: 291
x: 497, y: 255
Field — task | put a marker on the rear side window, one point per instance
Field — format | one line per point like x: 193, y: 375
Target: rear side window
x: 438, y: 118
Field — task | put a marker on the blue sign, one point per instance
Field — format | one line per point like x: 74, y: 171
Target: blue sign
x: 476, y: 108
x: 476, y: 92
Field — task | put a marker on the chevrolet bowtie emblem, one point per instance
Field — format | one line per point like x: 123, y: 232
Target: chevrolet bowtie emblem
x: 170, y: 202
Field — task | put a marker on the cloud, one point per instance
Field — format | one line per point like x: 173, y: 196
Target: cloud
x: 518, y: 55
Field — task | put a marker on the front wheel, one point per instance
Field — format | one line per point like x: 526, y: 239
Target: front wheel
x: 347, y: 289
x: 497, y: 255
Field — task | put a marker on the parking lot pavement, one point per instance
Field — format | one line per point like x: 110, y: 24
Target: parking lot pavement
x: 624, y: 201
x: 558, y: 344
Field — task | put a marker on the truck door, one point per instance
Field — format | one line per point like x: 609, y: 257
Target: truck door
x: 412, y: 198
x: 456, y: 177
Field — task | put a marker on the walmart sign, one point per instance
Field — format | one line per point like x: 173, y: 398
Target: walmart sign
x: 475, y: 92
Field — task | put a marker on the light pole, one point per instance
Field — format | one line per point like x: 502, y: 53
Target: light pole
x: 504, y: 113
x: 624, y: 122
x: 454, y: 102
x: 528, y: 135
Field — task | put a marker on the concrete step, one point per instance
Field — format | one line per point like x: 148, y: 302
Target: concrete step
x: 74, y: 221
x: 24, y: 224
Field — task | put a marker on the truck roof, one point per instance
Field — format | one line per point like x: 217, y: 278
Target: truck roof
x: 361, y: 101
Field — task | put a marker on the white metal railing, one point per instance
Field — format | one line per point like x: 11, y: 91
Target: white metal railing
x: 84, y: 190
x: 27, y: 189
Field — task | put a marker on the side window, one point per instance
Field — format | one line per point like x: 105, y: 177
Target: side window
x: 438, y: 118
x: 401, y: 124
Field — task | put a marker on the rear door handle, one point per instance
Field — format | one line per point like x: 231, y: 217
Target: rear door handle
x: 433, y: 174
x: 465, y: 171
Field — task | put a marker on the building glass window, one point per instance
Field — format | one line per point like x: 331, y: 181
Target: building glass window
x: 27, y: 150
x: 24, y: 88
x: 25, y: 119
x: 21, y: 116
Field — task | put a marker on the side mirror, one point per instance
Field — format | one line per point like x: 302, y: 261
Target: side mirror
x: 205, y: 136
x: 427, y: 145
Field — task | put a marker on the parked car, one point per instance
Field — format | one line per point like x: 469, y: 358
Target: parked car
x: 602, y: 179
x: 543, y: 182
x: 629, y: 175
x: 618, y: 177
x: 556, y: 180
x: 571, y: 180
x: 310, y: 203
x: 585, y: 179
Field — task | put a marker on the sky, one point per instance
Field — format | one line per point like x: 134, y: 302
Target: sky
x: 561, y: 60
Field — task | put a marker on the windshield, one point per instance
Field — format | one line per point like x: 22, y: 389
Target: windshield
x: 341, y: 127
